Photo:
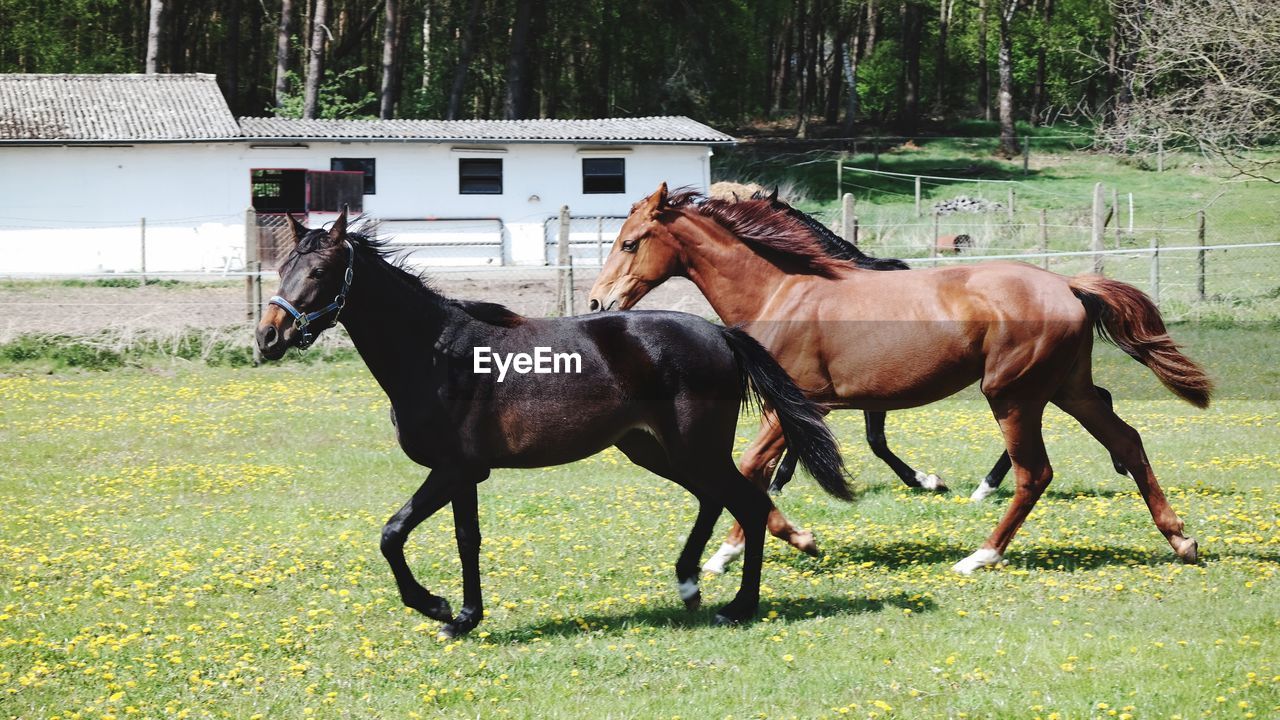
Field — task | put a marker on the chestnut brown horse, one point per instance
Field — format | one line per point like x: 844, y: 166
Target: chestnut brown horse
x: 858, y: 338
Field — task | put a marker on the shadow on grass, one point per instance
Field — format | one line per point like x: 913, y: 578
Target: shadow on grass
x: 788, y: 609
x: 843, y: 558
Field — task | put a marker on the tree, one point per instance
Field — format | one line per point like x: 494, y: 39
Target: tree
x: 284, y: 34
x: 465, y: 50
x: 153, y: 36
x: 1008, y: 138
x: 515, y: 99
x: 386, y: 103
x: 315, y: 65
x: 1201, y: 74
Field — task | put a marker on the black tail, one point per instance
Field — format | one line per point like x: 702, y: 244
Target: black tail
x: 801, y: 418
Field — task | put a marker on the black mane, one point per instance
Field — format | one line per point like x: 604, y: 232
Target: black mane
x: 835, y: 245
x: 366, y: 238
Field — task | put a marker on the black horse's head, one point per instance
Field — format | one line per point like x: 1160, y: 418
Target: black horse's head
x: 315, y: 277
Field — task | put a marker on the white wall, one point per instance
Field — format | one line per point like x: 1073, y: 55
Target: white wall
x: 77, y: 209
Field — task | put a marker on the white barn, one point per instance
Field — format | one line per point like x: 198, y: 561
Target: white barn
x: 84, y: 159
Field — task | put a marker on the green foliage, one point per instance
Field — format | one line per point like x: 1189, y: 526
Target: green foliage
x: 335, y: 99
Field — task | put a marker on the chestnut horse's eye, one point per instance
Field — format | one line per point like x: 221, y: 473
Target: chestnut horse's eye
x: 630, y: 245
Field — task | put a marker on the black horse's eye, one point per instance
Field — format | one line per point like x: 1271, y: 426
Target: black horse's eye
x: 316, y: 273
x: 630, y: 245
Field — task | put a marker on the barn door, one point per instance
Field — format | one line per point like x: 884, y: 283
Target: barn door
x: 329, y: 190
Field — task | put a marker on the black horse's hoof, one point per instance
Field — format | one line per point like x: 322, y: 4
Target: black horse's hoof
x: 693, y: 603
x: 433, y: 606
x: 466, y: 621
x: 731, y: 615
x: 775, y: 488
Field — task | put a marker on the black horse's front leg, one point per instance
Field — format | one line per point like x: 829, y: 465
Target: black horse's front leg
x: 466, y: 528
x: 911, y: 477
x: 434, y: 493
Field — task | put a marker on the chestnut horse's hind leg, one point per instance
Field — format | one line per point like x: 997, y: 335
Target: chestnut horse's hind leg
x: 1125, y: 445
x: 1021, y: 427
x: 913, y: 478
x: 757, y: 465
x: 993, y: 479
x: 436, y: 491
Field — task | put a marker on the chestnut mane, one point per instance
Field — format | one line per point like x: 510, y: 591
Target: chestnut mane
x: 758, y: 223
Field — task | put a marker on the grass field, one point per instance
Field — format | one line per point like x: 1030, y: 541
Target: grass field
x: 187, y: 541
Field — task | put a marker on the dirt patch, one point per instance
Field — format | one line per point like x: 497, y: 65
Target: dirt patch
x: 54, y: 308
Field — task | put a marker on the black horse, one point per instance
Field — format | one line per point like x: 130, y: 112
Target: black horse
x: 474, y: 386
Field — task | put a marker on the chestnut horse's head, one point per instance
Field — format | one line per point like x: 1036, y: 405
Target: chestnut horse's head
x: 315, y: 278
x: 642, y: 258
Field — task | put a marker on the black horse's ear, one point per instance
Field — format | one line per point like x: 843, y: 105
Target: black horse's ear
x: 339, y: 229
x: 298, y: 230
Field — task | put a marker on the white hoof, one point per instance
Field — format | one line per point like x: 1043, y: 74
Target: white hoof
x: 930, y: 481
x: 982, y: 492
x: 727, y: 553
x: 981, y: 558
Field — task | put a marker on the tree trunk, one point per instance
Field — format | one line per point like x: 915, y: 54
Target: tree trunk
x: 945, y: 8
x: 231, y: 56
x: 464, y: 62
x: 153, y: 36
x: 1008, y: 139
x: 1041, y: 98
x: 912, y: 20
x: 515, y: 103
x: 391, y: 18
x: 984, y: 69
x: 315, y: 61
x: 802, y: 67
x: 873, y: 19
x: 834, y: 70
x: 851, y: 57
x: 284, y: 33
x: 426, y: 47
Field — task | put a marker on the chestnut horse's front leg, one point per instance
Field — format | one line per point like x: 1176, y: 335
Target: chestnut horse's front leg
x: 757, y: 465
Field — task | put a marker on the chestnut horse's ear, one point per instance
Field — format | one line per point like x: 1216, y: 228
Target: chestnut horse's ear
x: 773, y: 196
x: 339, y: 229
x: 299, y: 230
x: 659, y: 198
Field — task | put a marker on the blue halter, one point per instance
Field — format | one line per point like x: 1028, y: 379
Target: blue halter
x: 302, y: 321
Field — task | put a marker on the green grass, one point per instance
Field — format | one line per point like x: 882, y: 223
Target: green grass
x: 193, y: 541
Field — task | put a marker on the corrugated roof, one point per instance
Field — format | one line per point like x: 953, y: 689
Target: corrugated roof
x: 663, y: 129
x: 113, y: 108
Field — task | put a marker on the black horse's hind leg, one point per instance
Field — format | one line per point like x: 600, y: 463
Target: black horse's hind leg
x: 911, y: 477
x: 434, y: 493
x: 466, y: 528
x: 645, y: 450
x: 1001, y: 468
x: 750, y: 507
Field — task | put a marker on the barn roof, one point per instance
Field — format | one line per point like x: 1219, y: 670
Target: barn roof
x: 640, y: 130
x: 113, y: 108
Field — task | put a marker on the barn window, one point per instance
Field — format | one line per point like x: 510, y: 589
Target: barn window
x: 279, y: 190
x: 364, y: 165
x: 480, y: 176
x: 334, y: 190
x: 604, y: 175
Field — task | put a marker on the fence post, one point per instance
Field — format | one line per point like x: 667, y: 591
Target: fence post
x: 142, y: 228
x: 847, y: 219
x: 1096, y: 244
x: 1026, y: 154
x: 250, y: 255
x: 1044, y: 238
x: 600, y: 241
x: 1115, y: 213
x: 562, y: 259
x: 933, y: 246
x: 1160, y: 153
x: 1155, y: 268
x: 568, y: 288
x: 840, y: 174
x: 1130, y: 215
x: 1011, y: 206
x: 918, y: 213
x: 1200, y: 255
x: 253, y: 278
x: 854, y: 240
